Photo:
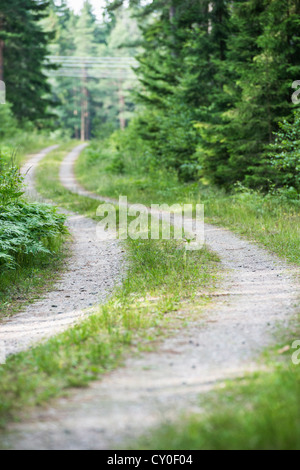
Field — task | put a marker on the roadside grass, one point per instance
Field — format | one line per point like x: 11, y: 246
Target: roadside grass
x: 48, y: 185
x: 25, y: 284
x: 258, y: 412
x: 166, y: 288
x: 21, y: 144
x: 97, y: 170
x: 272, y: 221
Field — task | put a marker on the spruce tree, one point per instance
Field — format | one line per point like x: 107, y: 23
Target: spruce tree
x: 204, y: 83
x: 263, y: 56
x: 23, y: 45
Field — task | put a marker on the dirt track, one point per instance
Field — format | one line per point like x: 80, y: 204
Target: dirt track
x: 259, y: 293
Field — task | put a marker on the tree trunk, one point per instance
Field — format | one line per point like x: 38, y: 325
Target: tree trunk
x: 1, y: 50
x: 210, y: 10
x: 172, y: 12
x: 84, y: 109
x: 82, y: 127
x: 122, y: 107
x: 1, y: 60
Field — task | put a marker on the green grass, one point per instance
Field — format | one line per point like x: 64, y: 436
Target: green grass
x: 18, y: 147
x: 48, y: 185
x: 271, y: 221
x: 25, y: 284
x: 259, y: 412
x: 143, y: 310
x: 96, y: 170
x: 268, y: 220
x: 166, y: 289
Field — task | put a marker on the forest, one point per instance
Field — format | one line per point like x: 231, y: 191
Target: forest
x: 210, y: 97
x: 165, y: 102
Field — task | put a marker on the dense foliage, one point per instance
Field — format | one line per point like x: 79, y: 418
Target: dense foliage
x: 23, y: 51
x: 27, y: 230
x: 216, y: 82
x: 285, y: 155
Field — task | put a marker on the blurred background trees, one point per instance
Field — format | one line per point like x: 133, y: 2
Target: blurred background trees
x: 213, y: 80
x: 94, y: 96
x: 23, y: 49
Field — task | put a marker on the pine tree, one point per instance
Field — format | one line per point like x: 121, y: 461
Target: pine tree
x: 263, y: 55
x: 23, y: 51
x: 166, y: 123
x: 284, y: 156
x: 204, y: 83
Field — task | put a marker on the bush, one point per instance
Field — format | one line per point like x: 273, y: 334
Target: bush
x: 8, y: 124
x: 285, y: 156
x: 10, y: 183
x: 27, y: 229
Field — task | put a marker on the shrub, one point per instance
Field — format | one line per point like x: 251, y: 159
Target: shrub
x: 285, y: 155
x: 27, y: 229
x: 10, y: 182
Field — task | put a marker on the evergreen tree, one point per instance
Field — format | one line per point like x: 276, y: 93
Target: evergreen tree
x: 23, y: 46
x: 167, y: 122
x: 284, y: 156
x: 216, y: 79
x: 204, y: 83
x: 262, y: 59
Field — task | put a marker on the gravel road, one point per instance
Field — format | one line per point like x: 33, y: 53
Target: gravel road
x: 259, y: 293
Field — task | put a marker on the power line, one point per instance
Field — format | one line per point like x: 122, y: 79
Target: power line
x: 91, y: 76
x: 93, y: 67
x: 116, y: 69
x: 92, y: 60
x: 90, y: 57
x: 97, y: 66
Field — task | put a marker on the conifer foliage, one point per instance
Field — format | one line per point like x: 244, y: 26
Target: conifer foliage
x: 23, y: 51
x: 216, y: 80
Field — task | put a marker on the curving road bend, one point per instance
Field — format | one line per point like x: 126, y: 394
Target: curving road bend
x: 258, y: 294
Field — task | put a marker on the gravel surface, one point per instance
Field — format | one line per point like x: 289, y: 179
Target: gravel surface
x: 92, y: 272
x: 259, y: 294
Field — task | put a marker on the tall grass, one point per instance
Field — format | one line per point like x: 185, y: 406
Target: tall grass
x: 16, y: 147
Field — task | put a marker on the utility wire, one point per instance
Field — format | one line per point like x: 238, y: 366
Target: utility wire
x: 74, y: 66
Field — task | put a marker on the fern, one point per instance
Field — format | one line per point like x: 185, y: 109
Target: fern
x: 27, y: 230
